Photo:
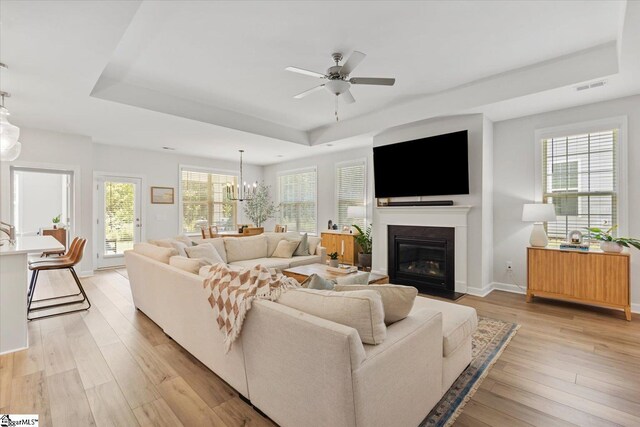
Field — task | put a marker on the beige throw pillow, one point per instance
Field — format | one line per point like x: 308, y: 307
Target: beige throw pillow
x: 397, y: 299
x: 218, y: 243
x: 361, y: 310
x: 285, y: 249
x: 192, y: 265
x: 314, y: 242
x: 205, y: 251
x: 303, y: 245
x: 155, y: 252
x: 358, y: 278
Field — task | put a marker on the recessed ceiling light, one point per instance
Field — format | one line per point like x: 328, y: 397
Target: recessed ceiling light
x: 280, y: 155
x: 169, y: 148
x: 329, y: 145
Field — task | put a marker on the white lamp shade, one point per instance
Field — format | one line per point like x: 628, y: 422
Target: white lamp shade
x: 538, y: 212
x: 9, y: 133
x: 12, y: 153
x: 356, y: 212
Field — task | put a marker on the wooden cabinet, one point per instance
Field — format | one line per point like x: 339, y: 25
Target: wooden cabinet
x: 343, y: 243
x: 596, y: 278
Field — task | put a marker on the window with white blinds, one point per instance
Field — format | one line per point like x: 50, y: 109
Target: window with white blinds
x: 297, y: 194
x: 350, y: 191
x: 204, y: 201
x: 579, y: 178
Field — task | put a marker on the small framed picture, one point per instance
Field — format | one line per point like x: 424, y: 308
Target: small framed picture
x: 162, y: 195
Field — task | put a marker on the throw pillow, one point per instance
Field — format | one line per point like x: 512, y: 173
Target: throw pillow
x: 191, y: 265
x: 285, y: 249
x: 314, y: 242
x: 155, y: 252
x: 185, y: 239
x: 397, y: 299
x: 180, y: 247
x: 361, y: 310
x: 359, y: 278
x: 218, y: 243
x: 317, y: 282
x: 303, y: 246
x: 163, y: 243
x: 205, y: 251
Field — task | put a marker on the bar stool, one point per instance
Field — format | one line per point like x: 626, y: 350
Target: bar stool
x: 69, y: 261
x: 64, y: 258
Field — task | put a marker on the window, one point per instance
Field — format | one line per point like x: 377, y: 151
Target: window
x: 204, y: 200
x: 350, y: 191
x: 297, y: 197
x: 579, y: 178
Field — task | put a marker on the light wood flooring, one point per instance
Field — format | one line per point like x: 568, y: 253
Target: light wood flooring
x: 568, y: 365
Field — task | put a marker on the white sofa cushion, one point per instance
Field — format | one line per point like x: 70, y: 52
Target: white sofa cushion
x: 272, y: 241
x: 171, y: 243
x: 397, y: 299
x: 155, y: 252
x: 192, y: 265
x: 205, y: 251
x: 297, y: 261
x: 242, y: 248
x: 218, y: 243
x: 458, y: 321
x: 277, y: 263
x: 361, y: 310
x: 285, y: 248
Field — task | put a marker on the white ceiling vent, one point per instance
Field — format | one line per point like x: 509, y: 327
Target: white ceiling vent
x: 591, y: 85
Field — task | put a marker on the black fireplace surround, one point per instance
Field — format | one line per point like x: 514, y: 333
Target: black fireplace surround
x: 423, y: 257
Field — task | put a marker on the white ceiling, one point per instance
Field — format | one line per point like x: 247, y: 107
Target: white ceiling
x: 208, y: 77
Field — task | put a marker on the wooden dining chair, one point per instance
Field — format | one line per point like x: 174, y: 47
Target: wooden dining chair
x: 68, y: 263
x: 281, y: 228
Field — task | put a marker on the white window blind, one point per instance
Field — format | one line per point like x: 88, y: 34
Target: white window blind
x: 298, y: 198
x: 350, y: 191
x: 204, y: 200
x: 579, y: 178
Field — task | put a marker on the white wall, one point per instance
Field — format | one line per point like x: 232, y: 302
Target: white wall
x: 46, y: 148
x: 479, y: 271
x: 514, y: 181
x: 326, y: 172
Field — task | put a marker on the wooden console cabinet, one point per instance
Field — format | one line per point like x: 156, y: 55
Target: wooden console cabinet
x: 343, y: 243
x: 595, y: 278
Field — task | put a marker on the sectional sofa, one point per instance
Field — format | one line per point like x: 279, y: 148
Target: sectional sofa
x: 303, y: 370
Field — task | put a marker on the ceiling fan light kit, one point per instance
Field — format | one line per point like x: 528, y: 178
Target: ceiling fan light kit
x: 338, y: 81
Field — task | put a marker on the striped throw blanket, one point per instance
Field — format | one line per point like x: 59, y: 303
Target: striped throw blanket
x: 231, y: 292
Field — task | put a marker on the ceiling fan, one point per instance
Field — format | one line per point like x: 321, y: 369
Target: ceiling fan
x: 338, y: 81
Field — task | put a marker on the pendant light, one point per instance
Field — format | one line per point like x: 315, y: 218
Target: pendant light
x: 9, y: 133
x: 246, y: 192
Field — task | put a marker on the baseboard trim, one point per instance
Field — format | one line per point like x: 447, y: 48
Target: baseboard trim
x: 508, y: 287
x: 480, y: 292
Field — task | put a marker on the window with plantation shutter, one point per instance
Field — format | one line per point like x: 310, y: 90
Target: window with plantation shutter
x: 298, y: 198
x: 350, y: 191
x: 204, y: 201
x: 579, y: 178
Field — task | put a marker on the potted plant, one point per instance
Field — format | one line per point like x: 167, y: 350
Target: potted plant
x: 333, y: 259
x: 364, y: 241
x: 56, y: 221
x: 609, y: 243
x: 260, y: 207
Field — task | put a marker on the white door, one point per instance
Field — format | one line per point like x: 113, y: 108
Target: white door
x: 119, y: 219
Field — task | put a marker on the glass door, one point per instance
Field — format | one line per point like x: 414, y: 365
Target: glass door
x: 119, y: 222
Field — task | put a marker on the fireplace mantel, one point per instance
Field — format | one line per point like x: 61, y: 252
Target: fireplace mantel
x: 431, y: 216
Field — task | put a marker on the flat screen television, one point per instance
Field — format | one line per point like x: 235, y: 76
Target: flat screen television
x: 433, y: 166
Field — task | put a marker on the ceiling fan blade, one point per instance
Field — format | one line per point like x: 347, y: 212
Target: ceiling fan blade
x: 348, y: 97
x: 307, y: 92
x: 353, y: 61
x: 372, y: 81
x: 306, y: 72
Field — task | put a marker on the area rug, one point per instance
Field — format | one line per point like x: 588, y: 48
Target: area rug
x: 489, y: 340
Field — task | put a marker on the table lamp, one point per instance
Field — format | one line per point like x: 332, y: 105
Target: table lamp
x: 538, y: 213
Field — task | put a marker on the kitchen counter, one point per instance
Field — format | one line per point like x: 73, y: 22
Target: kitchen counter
x: 14, y: 278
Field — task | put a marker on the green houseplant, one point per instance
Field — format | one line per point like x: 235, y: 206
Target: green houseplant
x: 56, y: 221
x: 260, y: 208
x: 365, y: 242
x: 333, y: 259
x: 610, y: 243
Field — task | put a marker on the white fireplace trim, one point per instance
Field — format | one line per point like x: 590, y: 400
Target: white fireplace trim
x: 425, y: 216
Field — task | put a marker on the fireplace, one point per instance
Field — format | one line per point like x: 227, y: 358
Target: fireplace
x: 423, y: 257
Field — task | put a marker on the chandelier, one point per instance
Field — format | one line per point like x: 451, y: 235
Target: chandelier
x: 246, y: 192
x: 10, y: 147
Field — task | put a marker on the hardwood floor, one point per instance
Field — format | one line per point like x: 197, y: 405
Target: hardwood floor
x: 568, y: 365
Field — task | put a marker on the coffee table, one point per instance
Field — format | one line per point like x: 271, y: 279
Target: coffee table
x: 302, y: 272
